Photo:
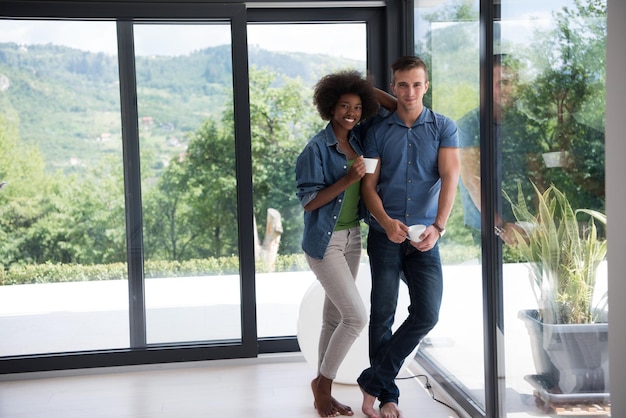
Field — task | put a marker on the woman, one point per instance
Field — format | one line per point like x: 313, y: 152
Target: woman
x: 328, y: 175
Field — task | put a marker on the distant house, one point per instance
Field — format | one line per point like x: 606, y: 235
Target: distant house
x: 104, y: 137
x: 147, y: 122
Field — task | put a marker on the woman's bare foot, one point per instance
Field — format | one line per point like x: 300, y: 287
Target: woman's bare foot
x: 390, y: 410
x: 368, y: 405
x: 321, y: 387
x: 343, y: 409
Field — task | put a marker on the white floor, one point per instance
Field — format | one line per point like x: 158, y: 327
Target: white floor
x: 274, y: 387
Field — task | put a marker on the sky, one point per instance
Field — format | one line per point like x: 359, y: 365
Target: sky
x: 343, y: 40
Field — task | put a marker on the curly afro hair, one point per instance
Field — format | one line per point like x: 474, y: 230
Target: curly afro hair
x: 332, y: 86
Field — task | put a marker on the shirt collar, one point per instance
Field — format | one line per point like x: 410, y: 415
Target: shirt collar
x: 331, y: 139
x: 425, y: 117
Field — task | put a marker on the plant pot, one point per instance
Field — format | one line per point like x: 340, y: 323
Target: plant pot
x: 569, y: 358
x: 554, y: 159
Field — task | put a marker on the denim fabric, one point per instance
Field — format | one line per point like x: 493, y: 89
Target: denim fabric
x: 320, y: 165
x: 389, y: 263
x: 409, y: 182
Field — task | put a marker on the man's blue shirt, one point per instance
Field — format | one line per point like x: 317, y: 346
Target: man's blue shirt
x: 409, y: 181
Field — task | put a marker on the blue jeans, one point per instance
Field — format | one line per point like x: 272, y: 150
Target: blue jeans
x: 389, y: 263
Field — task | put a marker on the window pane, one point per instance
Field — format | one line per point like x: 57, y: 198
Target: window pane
x: 285, y: 65
x: 63, y: 270
x: 447, y: 33
x: 185, y: 104
x: 548, y: 96
x: 552, y: 91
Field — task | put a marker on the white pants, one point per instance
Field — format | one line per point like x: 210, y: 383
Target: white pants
x: 344, y: 314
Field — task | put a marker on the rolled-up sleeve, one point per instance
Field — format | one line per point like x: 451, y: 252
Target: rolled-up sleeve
x: 309, y: 174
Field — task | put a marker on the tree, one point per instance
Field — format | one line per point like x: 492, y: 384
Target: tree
x: 567, y: 97
x: 192, y: 211
x: 282, y: 120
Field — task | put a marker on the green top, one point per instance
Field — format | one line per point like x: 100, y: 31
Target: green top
x: 349, y: 215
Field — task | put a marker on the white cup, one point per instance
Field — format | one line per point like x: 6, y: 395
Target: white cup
x: 370, y: 164
x: 415, y: 231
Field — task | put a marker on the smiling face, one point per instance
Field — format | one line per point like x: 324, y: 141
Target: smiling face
x: 347, y: 113
x: 409, y: 86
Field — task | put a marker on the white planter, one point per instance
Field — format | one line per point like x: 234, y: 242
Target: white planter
x: 554, y: 159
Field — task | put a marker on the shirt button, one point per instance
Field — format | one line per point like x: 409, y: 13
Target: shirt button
x: 334, y: 217
x: 410, y: 181
x: 339, y: 200
x: 328, y: 232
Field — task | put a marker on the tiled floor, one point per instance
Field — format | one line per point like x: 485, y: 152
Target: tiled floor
x: 261, y: 388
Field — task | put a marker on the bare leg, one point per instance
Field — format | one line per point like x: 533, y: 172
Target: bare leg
x: 368, y: 405
x: 321, y: 387
x: 390, y: 410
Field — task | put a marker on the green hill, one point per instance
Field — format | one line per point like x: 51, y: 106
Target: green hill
x: 67, y: 100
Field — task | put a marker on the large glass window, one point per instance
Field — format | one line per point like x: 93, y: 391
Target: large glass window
x: 553, y: 82
x: 447, y: 39
x: 189, y: 187
x: 548, y: 133
x: 284, y: 67
x: 62, y: 233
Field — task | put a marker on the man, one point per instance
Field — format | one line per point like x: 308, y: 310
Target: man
x: 414, y: 183
x: 518, y: 140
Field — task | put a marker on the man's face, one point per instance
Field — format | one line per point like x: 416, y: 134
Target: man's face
x: 504, y: 86
x: 409, y: 88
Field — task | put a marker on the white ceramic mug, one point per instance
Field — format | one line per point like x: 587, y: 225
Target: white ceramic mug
x: 415, y: 231
x: 370, y: 164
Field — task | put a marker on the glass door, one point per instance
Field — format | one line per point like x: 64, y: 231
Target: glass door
x: 530, y: 118
x: 189, y: 181
x: 63, y: 283
x: 286, y: 60
x: 126, y: 196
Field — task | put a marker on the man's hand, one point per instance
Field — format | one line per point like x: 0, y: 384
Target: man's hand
x: 431, y: 236
x: 396, y: 231
x: 507, y: 233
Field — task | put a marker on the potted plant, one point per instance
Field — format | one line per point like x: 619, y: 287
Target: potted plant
x: 568, y: 330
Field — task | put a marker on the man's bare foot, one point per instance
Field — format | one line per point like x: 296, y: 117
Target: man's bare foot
x: 321, y: 387
x: 368, y: 405
x: 390, y: 410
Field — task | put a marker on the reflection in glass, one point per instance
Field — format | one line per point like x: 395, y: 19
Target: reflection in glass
x: 447, y: 34
x: 187, y: 148
x: 562, y: 90
x: 548, y: 97
x: 282, y: 76
x: 63, y: 273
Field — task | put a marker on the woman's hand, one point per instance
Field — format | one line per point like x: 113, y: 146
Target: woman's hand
x: 357, y: 171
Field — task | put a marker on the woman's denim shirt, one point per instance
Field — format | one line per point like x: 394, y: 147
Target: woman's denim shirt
x: 318, y: 166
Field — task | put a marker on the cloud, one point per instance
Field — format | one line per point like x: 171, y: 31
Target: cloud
x: 342, y: 40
